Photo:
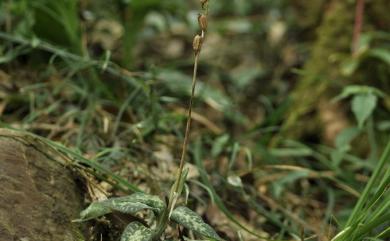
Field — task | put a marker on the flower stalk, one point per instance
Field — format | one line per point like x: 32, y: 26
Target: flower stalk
x: 197, y: 46
x: 181, y: 173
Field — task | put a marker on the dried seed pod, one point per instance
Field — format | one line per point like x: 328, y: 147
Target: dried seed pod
x: 197, y: 43
x: 202, y: 20
x: 204, y: 2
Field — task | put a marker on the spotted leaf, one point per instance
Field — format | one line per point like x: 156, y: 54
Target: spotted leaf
x: 135, y: 231
x: 94, y: 210
x: 150, y: 200
x: 192, y: 221
x: 129, y: 204
x: 124, y: 205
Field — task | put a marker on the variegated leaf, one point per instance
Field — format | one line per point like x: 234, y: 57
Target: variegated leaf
x: 124, y: 205
x: 94, y: 210
x: 129, y: 204
x: 192, y: 221
x: 135, y: 231
x: 150, y: 200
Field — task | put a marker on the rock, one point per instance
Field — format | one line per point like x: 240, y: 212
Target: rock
x: 38, y: 195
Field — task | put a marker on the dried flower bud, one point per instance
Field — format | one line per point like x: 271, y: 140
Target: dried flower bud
x: 202, y: 20
x: 197, y: 43
x: 203, y: 2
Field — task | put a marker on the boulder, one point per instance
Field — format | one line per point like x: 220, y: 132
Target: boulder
x: 38, y: 194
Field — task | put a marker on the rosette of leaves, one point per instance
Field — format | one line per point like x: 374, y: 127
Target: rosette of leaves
x: 136, y: 202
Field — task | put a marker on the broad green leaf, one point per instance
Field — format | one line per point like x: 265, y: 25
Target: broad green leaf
x: 362, y: 106
x: 125, y: 205
x: 343, y: 144
x: 135, y: 231
x: 219, y: 144
x: 129, y: 204
x: 192, y: 221
x: 150, y: 200
x: 97, y: 209
x: 345, y: 137
x: 349, y: 66
x: 381, y: 53
x: 358, y: 90
x: 94, y: 210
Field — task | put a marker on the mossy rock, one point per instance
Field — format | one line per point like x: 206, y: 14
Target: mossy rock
x: 321, y: 73
x: 39, y: 195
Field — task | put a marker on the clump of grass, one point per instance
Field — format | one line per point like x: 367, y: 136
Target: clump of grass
x: 370, y: 217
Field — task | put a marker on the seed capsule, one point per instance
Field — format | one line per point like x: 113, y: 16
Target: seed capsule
x: 202, y: 20
x: 197, y: 43
x: 203, y: 2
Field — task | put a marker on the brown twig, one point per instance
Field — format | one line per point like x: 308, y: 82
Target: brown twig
x: 197, y: 45
x: 359, y: 12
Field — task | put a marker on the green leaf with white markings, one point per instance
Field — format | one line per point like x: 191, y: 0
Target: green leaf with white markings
x: 125, y: 205
x: 192, y: 221
x: 129, y: 204
x: 94, y: 210
x: 150, y: 200
x: 135, y: 231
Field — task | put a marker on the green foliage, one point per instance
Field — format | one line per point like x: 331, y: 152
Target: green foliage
x: 135, y: 231
x: 343, y: 144
x: 151, y: 200
x: 372, y: 45
x: 192, y: 221
x: 136, y: 202
x: 363, y: 106
x: 352, y: 90
x: 364, y: 101
x: 214, y: 196
x: 60, y: 14
x: 179, y: 83
x: 94, y: 210
x: 128, y: 204
x: 219, y: 144
x: 372, y: 209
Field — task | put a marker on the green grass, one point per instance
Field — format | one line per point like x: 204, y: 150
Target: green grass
x: 371, y: 213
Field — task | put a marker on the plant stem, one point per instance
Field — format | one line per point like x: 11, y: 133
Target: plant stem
x: 359, y: 11
x: 175, y: 191
x: 163, y: 222
x: 189, y: 120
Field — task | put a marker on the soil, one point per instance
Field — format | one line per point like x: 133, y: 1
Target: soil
x: 38, y: 195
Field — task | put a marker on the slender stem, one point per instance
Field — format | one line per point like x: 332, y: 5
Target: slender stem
x: 163, y: 222
x: 175, y: 191
x: 189, y: 120
x: 359, y: 11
